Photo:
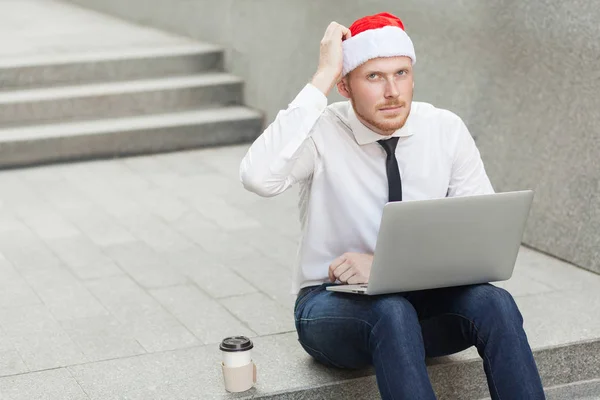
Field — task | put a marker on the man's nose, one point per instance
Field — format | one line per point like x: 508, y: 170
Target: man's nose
x: 391, y: 89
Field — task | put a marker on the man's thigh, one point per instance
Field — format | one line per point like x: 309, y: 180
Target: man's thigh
x: 451, y: 317
x: 335, y: 328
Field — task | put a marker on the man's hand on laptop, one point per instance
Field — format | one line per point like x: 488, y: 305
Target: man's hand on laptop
x: 351, y: 268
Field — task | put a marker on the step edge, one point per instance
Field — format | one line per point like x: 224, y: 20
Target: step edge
x: 207, y: 79
x: 197, y: 117
x: 369, y: 373
x: 126, y: 54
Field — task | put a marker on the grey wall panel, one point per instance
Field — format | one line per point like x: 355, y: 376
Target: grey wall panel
x: 525, y: 77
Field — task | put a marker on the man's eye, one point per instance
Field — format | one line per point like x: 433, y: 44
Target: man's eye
x: 372, y: 76
x: 402, y: 72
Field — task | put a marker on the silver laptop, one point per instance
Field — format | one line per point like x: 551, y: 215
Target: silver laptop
x: 453, y: 241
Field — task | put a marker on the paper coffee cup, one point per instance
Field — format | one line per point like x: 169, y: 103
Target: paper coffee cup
x: 237, y: 351
x: 239, y: 372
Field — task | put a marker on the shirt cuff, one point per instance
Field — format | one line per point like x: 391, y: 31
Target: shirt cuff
x: 310, y: 97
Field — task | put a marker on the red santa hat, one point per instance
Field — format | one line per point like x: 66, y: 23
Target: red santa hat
x: 379, y: 35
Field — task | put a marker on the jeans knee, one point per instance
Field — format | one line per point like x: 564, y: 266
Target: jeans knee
x: 498, y: 305
x: 395, y: 312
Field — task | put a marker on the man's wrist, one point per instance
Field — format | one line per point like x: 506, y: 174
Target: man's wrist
x: 324, y: 81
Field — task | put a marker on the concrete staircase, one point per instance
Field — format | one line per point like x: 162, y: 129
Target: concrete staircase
x: 125, y: 102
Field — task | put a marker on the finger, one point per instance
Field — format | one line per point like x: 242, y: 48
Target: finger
x: 355, y: 279
x: 349, y: 273
x: 337, y: 262
x: 334, y: 264
x: 341, y: 269
x: 330, y: 30
x: 346, y: 34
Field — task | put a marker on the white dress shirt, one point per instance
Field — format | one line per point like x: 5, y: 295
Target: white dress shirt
x: 341, y: 171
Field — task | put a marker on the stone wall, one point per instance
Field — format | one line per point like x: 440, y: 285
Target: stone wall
x: 525, y: 77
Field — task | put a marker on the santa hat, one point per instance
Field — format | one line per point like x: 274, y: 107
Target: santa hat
x: 379, y: 35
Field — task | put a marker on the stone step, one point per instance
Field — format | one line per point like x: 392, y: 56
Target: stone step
x: 119, y: 99
x: 107, y: 66
x: 30, y: 145
x: 286, y: 372
x: 584, y: 390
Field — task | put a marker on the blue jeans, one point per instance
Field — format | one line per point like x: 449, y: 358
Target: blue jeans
x: 395, y: 332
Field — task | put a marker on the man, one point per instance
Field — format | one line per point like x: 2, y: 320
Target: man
x: 349, y: 159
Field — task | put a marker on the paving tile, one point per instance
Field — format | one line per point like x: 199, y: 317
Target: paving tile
x: 142, y: 192
x: 101, y: 228
x: 190, y: 222
x: 95, y: 270
x: 116, y: 205
x: 5, y: 344
x: 11, y: 363
x: 141, y: 315
x: 117, y: 176
x: 51, y: 226
x: 223, y: 214
x: 220, y: 186
x: 9, y: 222
x: 38, y: 338
x: 204, y: 317
x: 155, y: 275
x: 271, y: 244
x: 64, y: 296
x: 19, y: 196
x: 149, y: 268
x: 133, y: 253
x: 209, y: 275
x: 102, y: 338
x: 146, y: 165
x: 218, y: 243
x: 155, y: 233
x: 262, y: 314
x: 185, y: 162
x: 173, y: 375
x: 225, y: 160
x: 55, y: 384
x: 65, y: 197
x: 26, y: 251
x: 270, y: 278
x: 14, y: 291
x: 101, y: 191
x: 77, y: 251
x: 282, y: 365
x: 161, y: 204
x: 275, y: 214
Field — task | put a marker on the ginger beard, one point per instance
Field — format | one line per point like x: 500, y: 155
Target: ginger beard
x: 382, y: 122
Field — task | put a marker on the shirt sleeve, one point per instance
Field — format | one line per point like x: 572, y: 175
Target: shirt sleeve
x: 468, y: 173
x: 285, y: 152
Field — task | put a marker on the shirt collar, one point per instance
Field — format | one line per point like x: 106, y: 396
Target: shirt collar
x: 364, y: 135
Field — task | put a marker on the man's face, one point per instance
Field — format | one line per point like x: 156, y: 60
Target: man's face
x: 381, y: 92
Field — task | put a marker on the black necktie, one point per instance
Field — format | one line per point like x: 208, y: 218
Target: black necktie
x: 393, y: 173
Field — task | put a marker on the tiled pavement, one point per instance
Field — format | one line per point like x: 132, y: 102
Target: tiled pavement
x: 111, y: 259
x: 150, y: 261
x: 118, y: 278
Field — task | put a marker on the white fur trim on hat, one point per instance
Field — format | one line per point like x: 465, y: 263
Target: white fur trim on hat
x: 389, y: 41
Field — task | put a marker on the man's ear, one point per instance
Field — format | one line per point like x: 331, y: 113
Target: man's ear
x: 343, y: 87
